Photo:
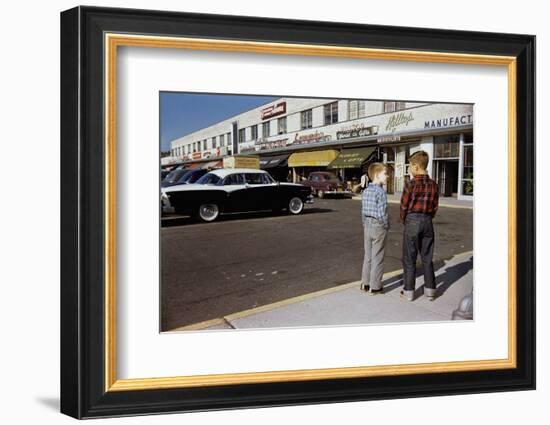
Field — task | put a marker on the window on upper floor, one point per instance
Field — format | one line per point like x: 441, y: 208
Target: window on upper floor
x: 331, y: 113
x: 306, y: 119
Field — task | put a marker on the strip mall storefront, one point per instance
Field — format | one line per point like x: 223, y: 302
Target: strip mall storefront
x: 444, y: 131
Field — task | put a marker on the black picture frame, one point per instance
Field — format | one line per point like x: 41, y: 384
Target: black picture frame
x: 83, y: 392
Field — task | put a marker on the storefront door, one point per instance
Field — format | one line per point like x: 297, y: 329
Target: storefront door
x: 446, y: 175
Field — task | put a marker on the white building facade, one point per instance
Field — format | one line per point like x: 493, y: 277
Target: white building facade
x: 310, y: 134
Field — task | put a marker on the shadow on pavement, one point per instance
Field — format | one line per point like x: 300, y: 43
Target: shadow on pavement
x: 443, y: 281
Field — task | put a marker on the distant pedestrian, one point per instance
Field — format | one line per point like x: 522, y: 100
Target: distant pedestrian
x: 419, y: 203
x: 376, y: 224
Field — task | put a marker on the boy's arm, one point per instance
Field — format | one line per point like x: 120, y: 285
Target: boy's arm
x: 405, y: 197
x: 382, y: 205
x: 363, y: 206
x: 436, y: 199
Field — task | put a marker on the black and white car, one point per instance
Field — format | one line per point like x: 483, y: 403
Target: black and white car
x: 236, y: 190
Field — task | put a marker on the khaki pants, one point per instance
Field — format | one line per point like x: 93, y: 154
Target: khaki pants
x: 373, y: 262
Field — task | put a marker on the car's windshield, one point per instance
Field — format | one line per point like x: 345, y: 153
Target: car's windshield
x: 174, y: 175
x: 192, y: 176
x: 208, y: 178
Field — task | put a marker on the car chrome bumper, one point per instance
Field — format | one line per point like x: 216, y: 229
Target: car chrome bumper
x: 338, y: 192
x: 167, y: 208
x: 309, y: 199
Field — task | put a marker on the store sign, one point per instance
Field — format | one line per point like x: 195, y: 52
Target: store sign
x: 356, y: 130
x: 197, y: 155
x: 449, y: 121
x: 316, y: 137
x: 264, y: 144
x: 399, y: 120
x: 244, y: 149
x: 389, y: 139
x: 273, y: 110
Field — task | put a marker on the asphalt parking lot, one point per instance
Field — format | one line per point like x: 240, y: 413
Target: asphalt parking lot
x: 247, y: 260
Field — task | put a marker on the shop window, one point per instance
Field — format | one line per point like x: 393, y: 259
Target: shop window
x: 468, y: 171
x: 446, y: 147
x: 331, y: 113
x: 306, y: 119
x: 393, y: 106
x: 281, y: 125
x: 266, y: 126
x: 389, y: 153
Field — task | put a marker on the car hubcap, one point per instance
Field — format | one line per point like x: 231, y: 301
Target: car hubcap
x: 208, y: 212
x: 295, y: 205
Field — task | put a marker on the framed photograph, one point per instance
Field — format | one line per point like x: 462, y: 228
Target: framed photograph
x: 261, y: 212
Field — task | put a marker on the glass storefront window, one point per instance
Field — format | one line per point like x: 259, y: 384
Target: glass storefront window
x: 446, y: 146
x: 467, y: 187
x: 389, y: 153
x: 468, y: 170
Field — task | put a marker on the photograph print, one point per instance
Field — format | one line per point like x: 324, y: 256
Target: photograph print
x: 282, y: 212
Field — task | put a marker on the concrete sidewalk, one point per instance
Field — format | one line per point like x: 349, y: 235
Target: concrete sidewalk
x: 348, y: 305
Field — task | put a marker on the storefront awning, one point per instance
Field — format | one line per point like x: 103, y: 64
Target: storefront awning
x: 312, y: 159
x: 193, y: 165
x: 352, y: 158
x: 273, y: 161
x: 212, y: 164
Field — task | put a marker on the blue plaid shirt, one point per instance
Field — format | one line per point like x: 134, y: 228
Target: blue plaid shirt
x: 375, y: 204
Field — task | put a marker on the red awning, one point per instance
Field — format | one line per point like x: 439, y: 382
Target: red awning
x: 194, y: 165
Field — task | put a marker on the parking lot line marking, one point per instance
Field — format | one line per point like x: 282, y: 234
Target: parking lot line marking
x: 262, y: 309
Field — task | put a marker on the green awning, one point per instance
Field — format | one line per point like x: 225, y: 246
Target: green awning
x: 352, y: 158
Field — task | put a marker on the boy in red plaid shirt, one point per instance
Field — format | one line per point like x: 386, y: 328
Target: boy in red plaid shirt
x: 419, y: 203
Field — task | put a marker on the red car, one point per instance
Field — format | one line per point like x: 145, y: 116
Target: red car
x: 326, y: 183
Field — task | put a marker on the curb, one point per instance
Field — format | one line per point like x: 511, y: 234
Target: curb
x: 225, y: 320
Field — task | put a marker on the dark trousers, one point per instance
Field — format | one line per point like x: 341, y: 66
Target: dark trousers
x: 418, y: 237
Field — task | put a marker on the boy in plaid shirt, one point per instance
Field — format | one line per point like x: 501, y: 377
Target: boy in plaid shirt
x: 375, y: 227
x: 419, y: 203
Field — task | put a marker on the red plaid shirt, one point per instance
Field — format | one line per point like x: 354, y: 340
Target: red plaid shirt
x: 420, y: 195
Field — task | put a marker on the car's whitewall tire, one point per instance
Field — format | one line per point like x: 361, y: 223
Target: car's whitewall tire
x: 208, y: 212
x: 295, y: 205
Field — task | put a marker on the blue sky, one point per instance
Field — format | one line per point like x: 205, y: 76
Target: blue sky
x: 184, y: 113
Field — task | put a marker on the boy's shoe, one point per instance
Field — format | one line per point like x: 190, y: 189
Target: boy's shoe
x: 376, y: 291
x: 430, y: 293
x: 364, y: 288
x: 407, y: 295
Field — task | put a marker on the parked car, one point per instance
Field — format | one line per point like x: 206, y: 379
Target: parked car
x: 234, y: 190
x: 183, y: 176
x: 326, y: 183
x: 163, y: 174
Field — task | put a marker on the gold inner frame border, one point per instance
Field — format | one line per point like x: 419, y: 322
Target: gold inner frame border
x: 112, y: 41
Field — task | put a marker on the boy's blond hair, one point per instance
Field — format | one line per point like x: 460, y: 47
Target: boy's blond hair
x: 374, y: 169
x: 420, y: 158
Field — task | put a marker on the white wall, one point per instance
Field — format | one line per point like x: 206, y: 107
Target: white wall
x: 29, y: 315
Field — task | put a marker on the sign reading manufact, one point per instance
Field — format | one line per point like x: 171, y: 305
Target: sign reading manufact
x: 449, y: 121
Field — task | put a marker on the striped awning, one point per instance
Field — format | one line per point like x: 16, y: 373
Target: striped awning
x: 273, y: 161
x: 352, y: 158
x: 312, y: 159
